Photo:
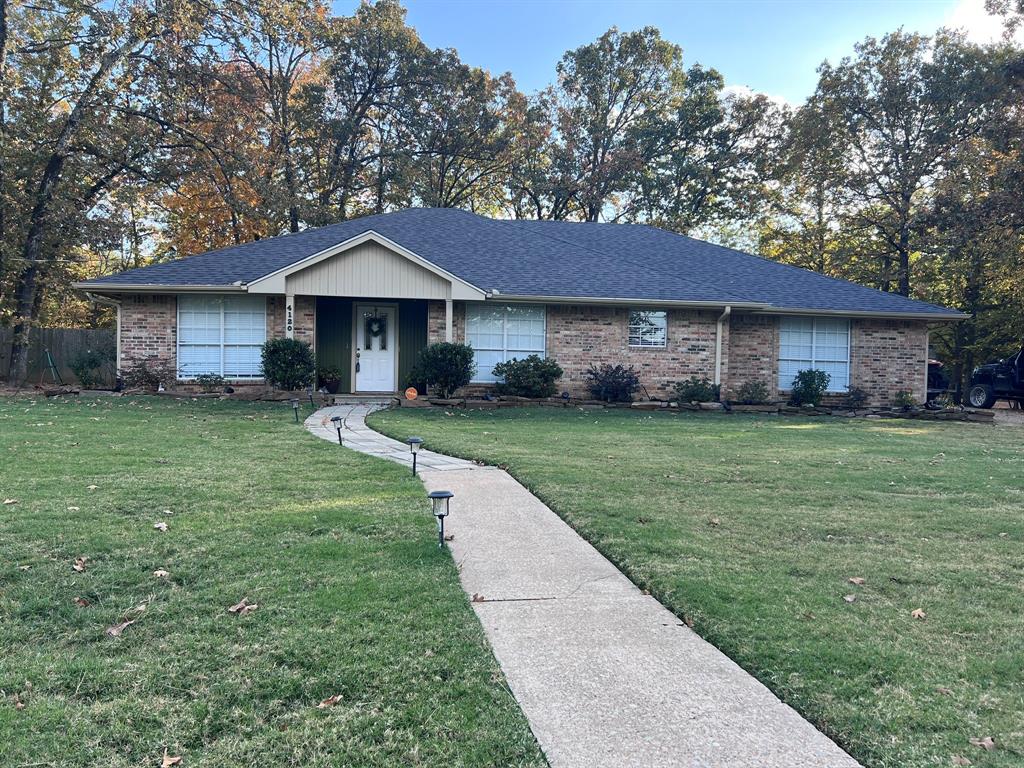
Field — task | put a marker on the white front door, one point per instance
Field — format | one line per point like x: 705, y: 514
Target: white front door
x: 375, y: 332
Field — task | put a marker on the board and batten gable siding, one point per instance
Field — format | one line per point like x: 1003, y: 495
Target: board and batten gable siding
x: 368, y: 270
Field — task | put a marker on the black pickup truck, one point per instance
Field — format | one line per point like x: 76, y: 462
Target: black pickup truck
x: 1000, y: 380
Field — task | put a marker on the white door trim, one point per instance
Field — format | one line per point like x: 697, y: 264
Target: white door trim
x: 356, y: 327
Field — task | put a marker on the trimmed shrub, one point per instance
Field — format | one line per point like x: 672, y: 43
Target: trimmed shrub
x: 809, y: 386
x: 288, y: 363
x: 210, y: 382
x: 533, y: 376
x: 445, y: 367
x: 904, y: 400
x: 612, y: 383
x: 753, y: 393
x: 93, y: 366
x: 148, y: 373
x: 696, y: 390
x: 856, y: 398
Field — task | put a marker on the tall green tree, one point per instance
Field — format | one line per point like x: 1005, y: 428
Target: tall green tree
x: 904, y: 104
x: 62, y: 139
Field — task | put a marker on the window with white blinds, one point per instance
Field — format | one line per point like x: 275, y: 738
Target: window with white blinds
x: 500, y: 333
x: 221, y: 335
x: 814, y: 342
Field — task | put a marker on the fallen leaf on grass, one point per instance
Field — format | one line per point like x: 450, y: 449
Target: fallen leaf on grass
x: 161, y: 526
x: 944, y: 690
x: 850, y: 598
x: 858, y: 580
x: 18, y: 703
x: 170, y: 760
x: 80, y: 563
x: 330, y: 701
x: 92, y: 487
x: 117, y: 629
x: 10, y: 501
x: 160, y: 573
x: 714, y: 521
x: 917, y: 613
x: 958, y: 760
x: 243, y: 608
x: 986, y: 743
x: 477, y: 598
x: 81, y: 602
x: 73, y: 509
x: 24, y: 567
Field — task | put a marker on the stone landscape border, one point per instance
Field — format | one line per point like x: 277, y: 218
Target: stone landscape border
x: 781, y: 409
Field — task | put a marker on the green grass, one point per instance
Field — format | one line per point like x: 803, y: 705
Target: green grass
x: 751, y: 527
x: 337, y: 549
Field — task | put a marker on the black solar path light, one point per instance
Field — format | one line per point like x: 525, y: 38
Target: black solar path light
x: 414, y: 447
x: 295, y: 408
x: 439, y: 501
x: 336, y: 421
x: 309, y: 392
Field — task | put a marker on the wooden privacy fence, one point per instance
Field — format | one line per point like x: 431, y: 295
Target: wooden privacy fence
x: 64, y: 344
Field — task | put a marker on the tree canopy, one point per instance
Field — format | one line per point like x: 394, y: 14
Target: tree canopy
x: 137, y: 131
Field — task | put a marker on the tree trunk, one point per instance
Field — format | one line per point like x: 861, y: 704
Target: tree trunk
x: 3, y: 134
x: 25, y: 294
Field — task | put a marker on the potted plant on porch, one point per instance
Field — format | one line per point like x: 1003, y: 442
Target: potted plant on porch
x: 329, y: 378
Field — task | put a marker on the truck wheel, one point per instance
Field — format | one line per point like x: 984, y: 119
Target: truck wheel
x: 980, y: 396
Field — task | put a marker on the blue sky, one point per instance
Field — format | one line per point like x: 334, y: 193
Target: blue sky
x: 771, y: 46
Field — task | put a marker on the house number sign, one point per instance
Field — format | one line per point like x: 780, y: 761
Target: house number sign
x: 289, y: 320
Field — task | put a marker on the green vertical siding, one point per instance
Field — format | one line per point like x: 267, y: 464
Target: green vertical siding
x: 412, y: 336
x: 334, y: 337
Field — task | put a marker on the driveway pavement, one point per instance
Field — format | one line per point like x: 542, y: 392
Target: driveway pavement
x: 606, y: 675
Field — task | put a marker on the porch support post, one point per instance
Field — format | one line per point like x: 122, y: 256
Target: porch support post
x: 449, y: 332
x: 289, y: 316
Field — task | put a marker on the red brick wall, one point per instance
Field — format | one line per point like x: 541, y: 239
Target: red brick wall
x: 304, y: 319
x: 436, y: 321
x: 149, y: 329
x: 753, y: 353
x: 581, y: 336
x: 149, y: 325
x: 887, y: 356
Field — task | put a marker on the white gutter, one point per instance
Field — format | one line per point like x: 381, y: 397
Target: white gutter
x: 150, y: 288
x: 934, y: 316
x: 718, y: 343
x: 643, y: 303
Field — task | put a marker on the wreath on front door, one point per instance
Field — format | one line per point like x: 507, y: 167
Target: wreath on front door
x: 377, y: 327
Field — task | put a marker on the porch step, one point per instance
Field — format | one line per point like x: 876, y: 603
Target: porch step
x: 360, y: 399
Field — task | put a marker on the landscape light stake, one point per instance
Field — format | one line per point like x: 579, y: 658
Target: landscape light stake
x: 336, y: 421
x: 295, y: 408
x: 309, y: 391
x: 414, y: 446
x: 439, y: 500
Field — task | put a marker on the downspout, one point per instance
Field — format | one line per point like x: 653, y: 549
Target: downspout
x: 718, y: 343
x: 116, y: 303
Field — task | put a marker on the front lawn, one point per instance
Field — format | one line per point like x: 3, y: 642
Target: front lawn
x: 356, y: 604
x: 752, y: 528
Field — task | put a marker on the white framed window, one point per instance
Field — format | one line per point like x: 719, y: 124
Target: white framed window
x: 814, y: 342
x: 648, y: 328
x: 221, y: 335
x: 500, y: 333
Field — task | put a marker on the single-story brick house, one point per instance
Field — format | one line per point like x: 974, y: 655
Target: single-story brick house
x: 370, y: 293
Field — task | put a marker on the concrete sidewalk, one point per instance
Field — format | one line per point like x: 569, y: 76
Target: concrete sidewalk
x: 605, y: 674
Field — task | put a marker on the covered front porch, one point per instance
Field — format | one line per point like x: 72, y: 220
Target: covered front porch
x: 368, y: 346
x: 368, y: 307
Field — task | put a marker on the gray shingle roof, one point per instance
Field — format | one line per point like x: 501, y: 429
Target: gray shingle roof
x: 545, y: 258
